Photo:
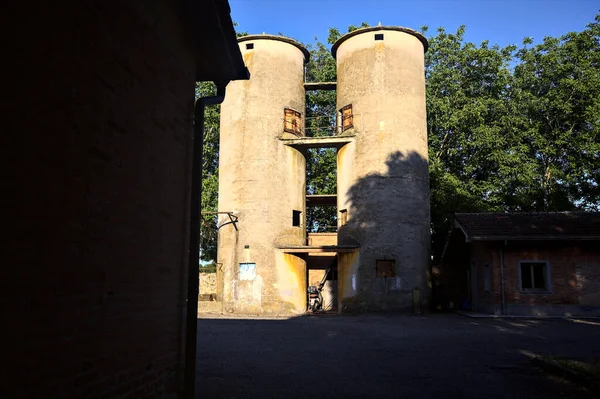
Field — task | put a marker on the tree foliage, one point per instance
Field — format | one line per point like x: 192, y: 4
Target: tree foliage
x: 321, y: 164
x: 512, y: 129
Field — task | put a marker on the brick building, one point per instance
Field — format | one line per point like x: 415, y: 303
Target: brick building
x: 100, y: 190
x: 522, y: 264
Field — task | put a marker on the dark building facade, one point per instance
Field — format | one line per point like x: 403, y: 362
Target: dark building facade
x: 545, y: 264
x: 99, y: 160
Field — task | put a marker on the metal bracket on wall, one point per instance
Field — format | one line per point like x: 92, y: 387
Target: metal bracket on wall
x: 232, y: 218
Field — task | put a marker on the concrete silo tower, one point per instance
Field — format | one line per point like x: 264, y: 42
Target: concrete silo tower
x: 383, y: 183
x: 262, y: 182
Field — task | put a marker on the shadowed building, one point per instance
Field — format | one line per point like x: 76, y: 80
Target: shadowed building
x: 102, y: 189
x: 379, y: 254
x: 540, y: 264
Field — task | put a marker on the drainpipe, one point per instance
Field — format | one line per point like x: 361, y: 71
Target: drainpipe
x: 502, y: 279
x: 194, y: 244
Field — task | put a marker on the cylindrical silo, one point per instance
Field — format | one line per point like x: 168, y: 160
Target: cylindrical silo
x: 383, y: 183
x: 262, y: 180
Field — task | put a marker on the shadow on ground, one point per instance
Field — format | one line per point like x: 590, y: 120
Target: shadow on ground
x: 443, y: 356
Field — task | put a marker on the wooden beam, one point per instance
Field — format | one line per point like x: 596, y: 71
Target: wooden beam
x: 321, y: 249
x: 320, y: 85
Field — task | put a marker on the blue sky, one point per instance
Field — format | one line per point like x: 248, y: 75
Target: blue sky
x: 499, y: 21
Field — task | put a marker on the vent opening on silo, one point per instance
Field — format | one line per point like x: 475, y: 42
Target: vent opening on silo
x: 385, y: 268
x: 378, y: 36
x: 249, y: 46
x: 296, y: 215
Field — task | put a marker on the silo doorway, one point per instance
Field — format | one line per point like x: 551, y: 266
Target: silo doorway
x: 322, y: 273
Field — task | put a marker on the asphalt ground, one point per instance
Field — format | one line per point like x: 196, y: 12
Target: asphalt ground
x: 375, y: 356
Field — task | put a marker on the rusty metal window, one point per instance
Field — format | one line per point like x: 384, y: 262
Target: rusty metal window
x: 344, y: 217
x: 347, y: 117
x: 292, y: 121
x: 249, y: 46
x: 378, y: 36
x: 385, y: 268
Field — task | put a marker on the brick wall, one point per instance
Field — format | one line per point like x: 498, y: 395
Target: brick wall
x: 563, y: 262
x: 486, y: 253
x: 574, y: 272
x: 93, y: 300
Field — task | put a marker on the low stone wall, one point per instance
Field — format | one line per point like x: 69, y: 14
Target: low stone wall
x: 208, y: 286
x: 207, y: 307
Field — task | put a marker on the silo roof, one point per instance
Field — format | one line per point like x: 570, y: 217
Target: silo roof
x: 284, y: 39
x: 348, y: 35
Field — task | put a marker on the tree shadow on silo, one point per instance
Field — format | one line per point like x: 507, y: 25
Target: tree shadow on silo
x: 388, y: 219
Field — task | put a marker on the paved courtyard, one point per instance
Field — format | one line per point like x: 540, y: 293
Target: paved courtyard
x: 437, y: 356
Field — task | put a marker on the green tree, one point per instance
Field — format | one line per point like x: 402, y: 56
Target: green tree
x: 472, y: 146
x: 557, y: 87
x: 210, y: 174
x: 512, y: 130
x: 321, y: 164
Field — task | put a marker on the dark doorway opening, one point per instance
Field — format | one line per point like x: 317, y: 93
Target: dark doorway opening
x: 322, y: 272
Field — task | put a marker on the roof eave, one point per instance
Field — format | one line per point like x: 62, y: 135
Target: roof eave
x: 464, y: 231
x: 217, y: 54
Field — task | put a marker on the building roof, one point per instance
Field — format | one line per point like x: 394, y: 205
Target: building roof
x: 218, y: 56
x: 529, y: 226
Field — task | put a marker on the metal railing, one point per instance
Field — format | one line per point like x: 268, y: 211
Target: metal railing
x: 317, y: 126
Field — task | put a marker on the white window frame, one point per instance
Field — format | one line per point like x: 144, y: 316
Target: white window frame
x: 547, y: 289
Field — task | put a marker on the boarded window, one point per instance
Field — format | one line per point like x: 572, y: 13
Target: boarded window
x: 292, y: 121
x: 347, y: 117
x: 296, y: 218
x: 534, y: 276
x: 385, y: 268
x: 247, y: 271
x: 487, y: 281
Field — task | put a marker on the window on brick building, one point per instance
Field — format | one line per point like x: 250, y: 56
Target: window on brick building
x: 534, y: 276
x: 292, y: 122
x: 385, y: 268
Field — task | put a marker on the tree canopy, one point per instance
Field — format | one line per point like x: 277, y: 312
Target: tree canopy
x: 513, y: 128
